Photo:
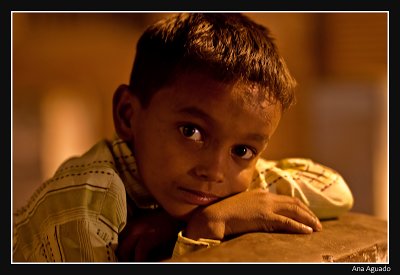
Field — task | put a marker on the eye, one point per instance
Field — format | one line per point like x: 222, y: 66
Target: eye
x: 191, y: 132
x: 243, y: 152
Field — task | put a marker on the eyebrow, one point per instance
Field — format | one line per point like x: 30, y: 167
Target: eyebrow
x: 259, y: 138
x: 196, y: 112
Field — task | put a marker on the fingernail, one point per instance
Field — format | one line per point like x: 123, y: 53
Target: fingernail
x: 307, y: 229
x: 318, y: 224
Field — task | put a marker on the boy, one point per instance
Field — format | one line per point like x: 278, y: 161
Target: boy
x: 206, y: 94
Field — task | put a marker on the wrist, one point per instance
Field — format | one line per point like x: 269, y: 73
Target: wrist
x: 206, y: 226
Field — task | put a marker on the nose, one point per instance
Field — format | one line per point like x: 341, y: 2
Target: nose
x: 211, y: 166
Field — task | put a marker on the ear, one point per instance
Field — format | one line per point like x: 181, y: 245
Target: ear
x: 125, y: 106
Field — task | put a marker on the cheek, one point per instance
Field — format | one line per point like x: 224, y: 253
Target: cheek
x: 242, y: 181
x: 160, y: 156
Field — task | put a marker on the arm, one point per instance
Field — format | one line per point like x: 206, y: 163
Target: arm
x: 255, y: 210
x: 71, y: 223
x: 76, y: 240
x: 316, y: 187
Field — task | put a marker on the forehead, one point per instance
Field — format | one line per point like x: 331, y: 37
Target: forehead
x: 256, y: 99
x: 239, y: 96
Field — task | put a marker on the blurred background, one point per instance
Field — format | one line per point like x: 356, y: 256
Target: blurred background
x: 66, y: 67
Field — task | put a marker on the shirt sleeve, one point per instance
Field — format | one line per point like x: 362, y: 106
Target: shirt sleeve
x: 321, y: 188
x: 184, y: 245
x: 72, y: 219
x: 79, y: 240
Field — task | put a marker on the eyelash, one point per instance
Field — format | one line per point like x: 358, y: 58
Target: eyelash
x: 248, y: 149
x: 197, y: 130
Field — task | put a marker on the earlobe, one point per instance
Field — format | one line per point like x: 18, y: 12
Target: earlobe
x: 124, y: 108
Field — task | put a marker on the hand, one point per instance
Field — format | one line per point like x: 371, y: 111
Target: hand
x: 252, y: 211
x: 150, y: 237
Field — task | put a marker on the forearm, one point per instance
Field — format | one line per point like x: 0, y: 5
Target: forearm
x: 252, y: 211
x: 206, y: 223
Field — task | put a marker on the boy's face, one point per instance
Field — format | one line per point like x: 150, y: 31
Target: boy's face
x: 198, y: 141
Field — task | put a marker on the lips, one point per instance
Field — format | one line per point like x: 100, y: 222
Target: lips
x: 197, y: 197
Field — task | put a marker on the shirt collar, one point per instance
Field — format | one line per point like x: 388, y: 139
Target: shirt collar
x: 127, y: 169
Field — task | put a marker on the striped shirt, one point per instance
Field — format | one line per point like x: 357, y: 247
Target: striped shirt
x: 77, y: 215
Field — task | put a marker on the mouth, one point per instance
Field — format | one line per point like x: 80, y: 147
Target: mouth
x: 198, y: 197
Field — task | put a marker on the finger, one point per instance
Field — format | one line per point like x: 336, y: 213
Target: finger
x: 293, y: 207
x: 279, y: 198
x: 282, y: 223
x: 298, y: 202
x: 299, y: 214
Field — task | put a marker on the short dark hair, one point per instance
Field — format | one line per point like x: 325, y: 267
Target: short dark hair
x: 228, y: 46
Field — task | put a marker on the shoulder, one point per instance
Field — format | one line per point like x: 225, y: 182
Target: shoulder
x: 95, y: 170
x: 85, y: 196
x: 88, y: 184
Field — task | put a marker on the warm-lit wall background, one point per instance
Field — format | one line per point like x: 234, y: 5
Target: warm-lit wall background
x: 66, y: 67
